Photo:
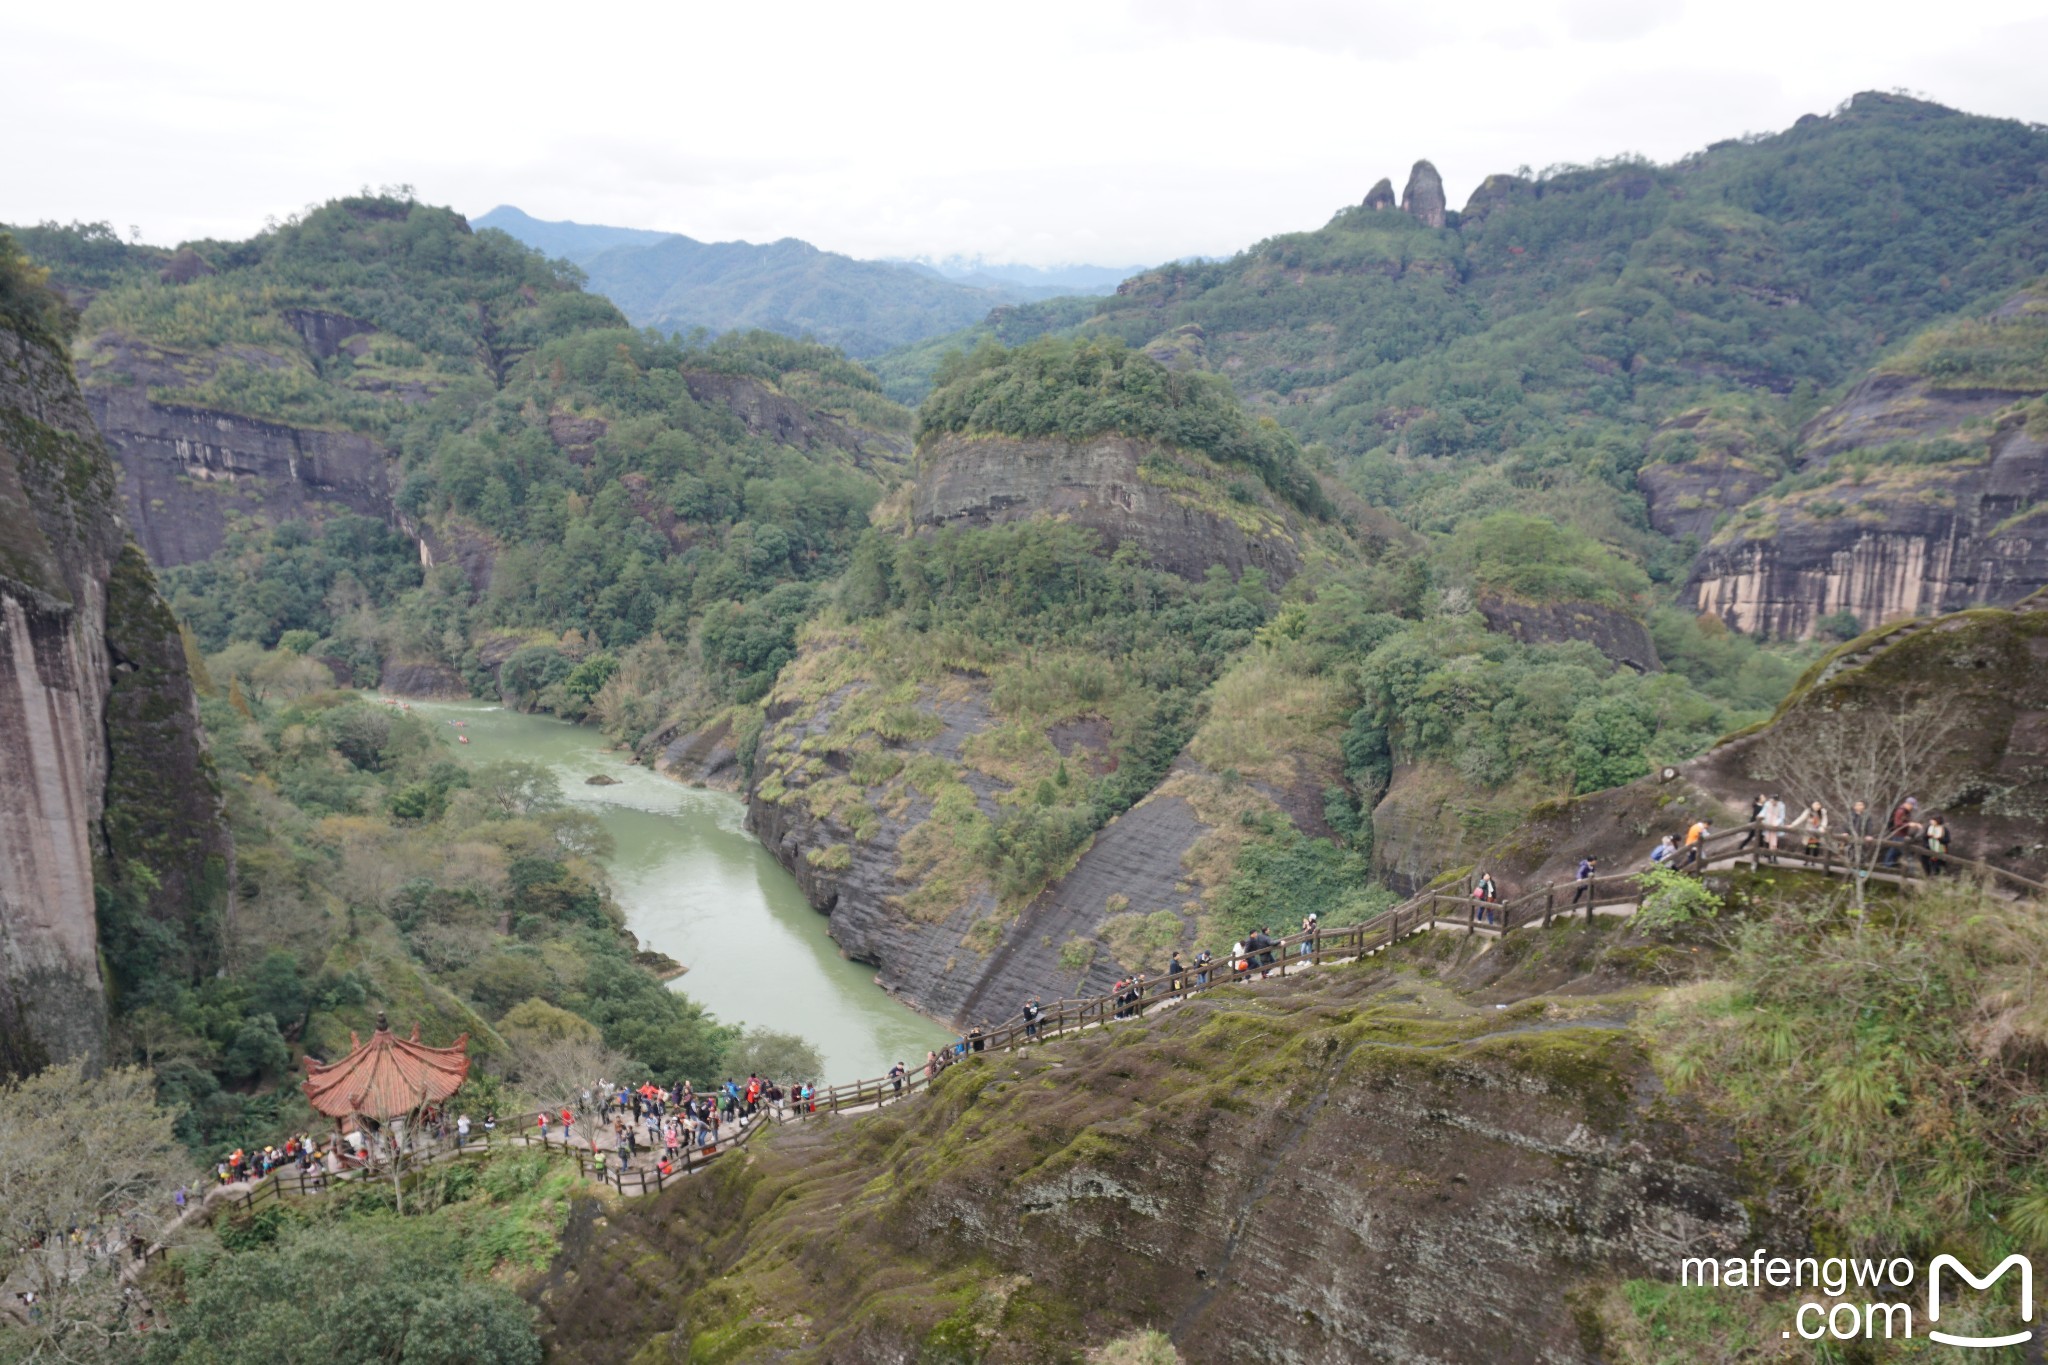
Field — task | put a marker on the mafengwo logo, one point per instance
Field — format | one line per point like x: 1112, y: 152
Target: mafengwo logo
x: 1885, y: 1311
x: 2026, y: 1269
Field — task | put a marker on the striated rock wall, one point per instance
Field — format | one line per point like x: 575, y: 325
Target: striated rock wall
x: 1953, y: 514
x: 1169, y: 504
x: 925, y: 957
x: 1897, y: 542
x: 186, y: 472
x: 102, y: 769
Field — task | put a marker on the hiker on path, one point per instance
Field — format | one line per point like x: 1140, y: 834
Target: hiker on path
x: 896, y: 1074
x: 1903, y: 827
x: 1696, y: 843
x: 1665, y: 851
x: 1032, y: 1011
x: 1814, y: 825
x: 1936, y: 840
x: 1484, y: 894
x: 1583, y: 889
x: 1756, y: 819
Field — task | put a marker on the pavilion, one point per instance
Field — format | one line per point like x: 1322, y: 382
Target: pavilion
x: 386, y: 1078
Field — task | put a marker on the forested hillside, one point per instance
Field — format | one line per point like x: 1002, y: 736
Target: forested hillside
x: 504, y: 477
x: 1569, y: 334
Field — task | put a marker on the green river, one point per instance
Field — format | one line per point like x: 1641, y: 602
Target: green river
x: 695, y: 885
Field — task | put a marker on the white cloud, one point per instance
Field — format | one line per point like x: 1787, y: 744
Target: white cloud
x: 1066, y: 130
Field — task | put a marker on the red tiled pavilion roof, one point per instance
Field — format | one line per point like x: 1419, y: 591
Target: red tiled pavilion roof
x: 386, y: 1076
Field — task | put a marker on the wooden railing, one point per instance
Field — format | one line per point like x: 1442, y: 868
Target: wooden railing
x: 1436, y: 908
x: 645, y: 1176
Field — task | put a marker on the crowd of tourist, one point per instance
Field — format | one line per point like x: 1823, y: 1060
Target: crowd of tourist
x: 1903, y: 834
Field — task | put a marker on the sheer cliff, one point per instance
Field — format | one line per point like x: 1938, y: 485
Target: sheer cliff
x: 111, y: 835
x: 1925, y: 490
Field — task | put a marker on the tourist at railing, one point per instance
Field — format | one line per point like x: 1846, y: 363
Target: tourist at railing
x: 1935, y: 837
x: 1582, y: 886
x: 1485, y: 895
x: 1814, y: 825
x: 1695, y: 844
x: 1903, y: 829
x: 1667, y: 849
x: 1756, y: 818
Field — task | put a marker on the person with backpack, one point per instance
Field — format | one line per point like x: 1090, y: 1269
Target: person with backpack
x: 1665, y: 851
x: 896, y: 1074
x: 1483, y: 897
x: 1032, y: 1011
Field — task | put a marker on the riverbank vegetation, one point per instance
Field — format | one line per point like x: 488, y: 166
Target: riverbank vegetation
x: 376, y: 871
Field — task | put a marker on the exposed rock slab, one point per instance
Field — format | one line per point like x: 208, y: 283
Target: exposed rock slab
x: 1137, y: 858
x: 186, y: 472
x: 783, y: 420
x: 1615, y: 633
x: 1105, y: 484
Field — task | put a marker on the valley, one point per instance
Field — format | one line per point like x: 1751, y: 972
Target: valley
x: 472, y: 625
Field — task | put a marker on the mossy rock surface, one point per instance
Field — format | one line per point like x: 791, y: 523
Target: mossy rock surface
x: 1320, y: 1167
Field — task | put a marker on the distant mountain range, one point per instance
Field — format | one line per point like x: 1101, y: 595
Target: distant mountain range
x: 677, y: 284
x: 1033, y: 281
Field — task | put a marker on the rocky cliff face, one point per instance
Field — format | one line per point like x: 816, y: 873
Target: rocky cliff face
x: 187, y: 471
x: 779, y: 418
x: 868, y: 780
x: 1924, y: 491
x: 1180, y: 510
x: 103, y: 777
x: 1615, y: 633
x: 1358, y: 1167
x: 1888, y: 541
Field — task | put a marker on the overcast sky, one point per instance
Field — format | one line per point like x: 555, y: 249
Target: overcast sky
x: 1107, y: 131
